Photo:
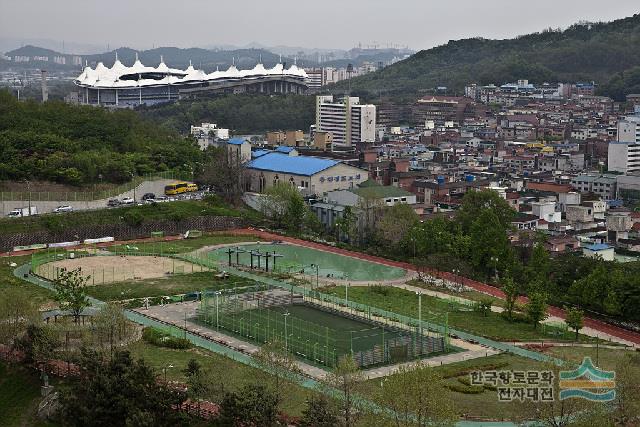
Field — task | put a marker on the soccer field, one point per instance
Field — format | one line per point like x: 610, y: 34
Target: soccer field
x: 320, y: 333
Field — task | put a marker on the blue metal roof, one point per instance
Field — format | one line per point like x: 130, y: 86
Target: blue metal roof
x: 296, y: 165
x: 598, y: 247
x: 237, y: 141
x: 259, y: 153
x: 284, y: 149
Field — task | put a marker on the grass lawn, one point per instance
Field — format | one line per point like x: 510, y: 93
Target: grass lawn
x: 484, y: 404
x: 470, y: 294
x: 19, y: 397
x: 606, y: 358
x: 460, y: 316
x: 187, y: 245
x: 171, y: 285
x: 41, y: 296
x: 232, y: 374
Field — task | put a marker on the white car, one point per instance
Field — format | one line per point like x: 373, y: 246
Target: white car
x: 64, y: 208
x: 127, y: 201
x: 161, y: 199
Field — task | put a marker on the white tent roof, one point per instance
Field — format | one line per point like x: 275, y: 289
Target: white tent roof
x: 104, y: 77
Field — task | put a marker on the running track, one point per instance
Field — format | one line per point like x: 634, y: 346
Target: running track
x: 484, y: 288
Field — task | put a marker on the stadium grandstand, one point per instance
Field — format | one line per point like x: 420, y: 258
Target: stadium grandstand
x: 123, y: 86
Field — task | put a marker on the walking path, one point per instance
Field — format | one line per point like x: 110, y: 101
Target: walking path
x: 604, y: 329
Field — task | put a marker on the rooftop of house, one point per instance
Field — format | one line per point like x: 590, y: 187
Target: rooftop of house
x: 296, y: 165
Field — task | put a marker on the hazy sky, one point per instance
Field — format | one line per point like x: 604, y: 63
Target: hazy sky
x: 320, y: 23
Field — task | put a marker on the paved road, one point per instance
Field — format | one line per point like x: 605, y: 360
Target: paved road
x: 593, y: 324
x: 156, y: 187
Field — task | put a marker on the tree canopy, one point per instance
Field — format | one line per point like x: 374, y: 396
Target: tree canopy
x: 79, y: 144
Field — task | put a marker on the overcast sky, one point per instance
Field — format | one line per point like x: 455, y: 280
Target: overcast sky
x: 321, y: 23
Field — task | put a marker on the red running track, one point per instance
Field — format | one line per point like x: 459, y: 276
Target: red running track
x: 484, y: 288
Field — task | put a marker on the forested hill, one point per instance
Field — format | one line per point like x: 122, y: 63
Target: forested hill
x: 607, y: 53
x: 79, y: 144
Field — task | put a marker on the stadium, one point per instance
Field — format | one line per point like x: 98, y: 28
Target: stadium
x: 124, y: 86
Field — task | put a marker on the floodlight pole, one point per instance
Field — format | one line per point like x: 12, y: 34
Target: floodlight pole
x: 317, y: 267
x: 286, y: 336
x: 217, y: 318
x: 420, y: 314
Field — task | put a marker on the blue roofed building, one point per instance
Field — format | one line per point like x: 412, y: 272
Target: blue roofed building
x: 599, y: 250
x: 312, y: 175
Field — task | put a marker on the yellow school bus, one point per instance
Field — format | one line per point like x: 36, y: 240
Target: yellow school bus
x: 177, y: 188
x: 192, y: 187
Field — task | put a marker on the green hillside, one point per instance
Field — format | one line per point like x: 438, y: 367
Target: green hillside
x: 607, y: 53
x: 80, y: 144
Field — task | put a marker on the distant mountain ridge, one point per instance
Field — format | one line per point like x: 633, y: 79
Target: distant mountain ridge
x: 607, y: 53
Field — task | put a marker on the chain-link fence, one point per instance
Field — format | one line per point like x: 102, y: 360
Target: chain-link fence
x: 88, y: 196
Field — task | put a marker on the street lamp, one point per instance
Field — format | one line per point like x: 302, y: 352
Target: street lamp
x: 165, y: 371
x: 494, y: 261
x: 217, y: 305
x: 317, y: 267
x: 420, y: 314
x: 286, y: 336
x: 346, y: 292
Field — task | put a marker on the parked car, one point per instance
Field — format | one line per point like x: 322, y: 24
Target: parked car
x: 127, y: 201
x: 113, y: 202
x: 148, y: 196
x: 161, y: 199
x: 23, y: 212
x: 63, y: 208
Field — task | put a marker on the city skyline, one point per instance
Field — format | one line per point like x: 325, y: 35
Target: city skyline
x: 337, y: 25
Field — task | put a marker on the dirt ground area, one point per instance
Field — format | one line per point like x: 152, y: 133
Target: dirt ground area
x: 110, y: 269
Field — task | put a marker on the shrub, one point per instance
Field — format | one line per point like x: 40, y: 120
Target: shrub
x: 460, y: 388
x: 133, y: 217
x: 162, y: 339
x: 378, y: 289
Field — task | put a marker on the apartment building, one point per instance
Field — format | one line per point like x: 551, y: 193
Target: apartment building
x: 346, y: 119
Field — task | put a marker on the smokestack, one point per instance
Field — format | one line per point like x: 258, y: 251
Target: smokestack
x: 45, y: 91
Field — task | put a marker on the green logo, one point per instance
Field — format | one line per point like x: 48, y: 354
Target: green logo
x: 588, y: 382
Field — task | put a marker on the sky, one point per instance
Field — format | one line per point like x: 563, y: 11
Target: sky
x: 336, y: 24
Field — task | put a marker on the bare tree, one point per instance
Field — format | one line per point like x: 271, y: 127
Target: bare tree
x: 226, y: 173
x: 346, y: 377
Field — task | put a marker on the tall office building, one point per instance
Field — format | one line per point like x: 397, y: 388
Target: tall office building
x: 348, y: 121
x: 624, y: 154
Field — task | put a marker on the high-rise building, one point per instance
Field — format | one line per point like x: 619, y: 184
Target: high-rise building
x: 348, y: 121
x: 624, y: 154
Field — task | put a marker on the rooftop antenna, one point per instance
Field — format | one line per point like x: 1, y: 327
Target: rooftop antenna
x: 280, y: 59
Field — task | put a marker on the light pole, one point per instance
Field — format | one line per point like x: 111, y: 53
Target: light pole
x: 217, y: 318
x: 165, y: 371
x: 286, y: 336
x: 317, y: 267
x: 494, y: 261
x: 420, y: 314
x: 346, y: 292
